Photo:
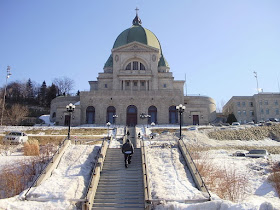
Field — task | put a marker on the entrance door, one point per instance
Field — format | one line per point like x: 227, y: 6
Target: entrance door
x: 195, y: 120
x: 131, y: 115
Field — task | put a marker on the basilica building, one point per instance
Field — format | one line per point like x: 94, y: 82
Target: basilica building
x: 136, y: 81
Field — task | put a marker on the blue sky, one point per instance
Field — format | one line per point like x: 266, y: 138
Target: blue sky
x: 216, y: 44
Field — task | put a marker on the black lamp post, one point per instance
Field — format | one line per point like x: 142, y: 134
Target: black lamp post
x: 108, y: 125
x: 180, y: 109
x: 70, y: 108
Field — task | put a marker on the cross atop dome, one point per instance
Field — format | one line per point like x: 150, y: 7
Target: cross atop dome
x: 136, y: 21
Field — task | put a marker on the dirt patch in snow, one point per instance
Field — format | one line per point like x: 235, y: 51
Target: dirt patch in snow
x: 254, y: 133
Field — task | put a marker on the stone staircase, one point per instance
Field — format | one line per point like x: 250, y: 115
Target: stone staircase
x: 120, y: 187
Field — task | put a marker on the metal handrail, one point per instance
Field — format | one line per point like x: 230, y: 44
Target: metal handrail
x: 50, y: 160
x: 197, y: 171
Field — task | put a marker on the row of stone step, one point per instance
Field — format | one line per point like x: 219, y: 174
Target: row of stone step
x: 120, y: 187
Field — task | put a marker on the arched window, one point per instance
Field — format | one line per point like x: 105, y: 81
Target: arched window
x: 173, y: 115
x: 110, y: 112
x: 128, y: 67
x: 90, y: 115
x: 142, y: 67
x: 135, y: 65
x: 152, y: 111
x: 54, y: 115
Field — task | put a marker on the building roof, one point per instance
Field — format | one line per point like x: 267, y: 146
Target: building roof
x: 139, y: 34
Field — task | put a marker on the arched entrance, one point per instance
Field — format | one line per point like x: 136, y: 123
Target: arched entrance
x: 110, y: 113
x: 131, y: 115
x: 173, y: 115
x: 90, y: 115
x: 152, y: 111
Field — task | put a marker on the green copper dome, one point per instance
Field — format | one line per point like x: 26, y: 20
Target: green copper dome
x: 139, y: 34
x: 163, y: 62
x: 109, y: 62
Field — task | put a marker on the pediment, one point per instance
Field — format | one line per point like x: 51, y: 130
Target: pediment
x: 136, y: 47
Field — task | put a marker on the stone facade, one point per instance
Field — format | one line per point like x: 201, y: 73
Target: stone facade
x: 136, y: 79
x: 259, y: 107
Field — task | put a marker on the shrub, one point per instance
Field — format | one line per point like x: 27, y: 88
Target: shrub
x: 274, y: 178
x: 31, y: 148
x: 16, y: 178
x: 227, y: 183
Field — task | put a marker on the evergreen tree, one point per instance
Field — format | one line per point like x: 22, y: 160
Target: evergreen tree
x: 231, y: 118
x: 29, y: 91
x: 42, y: 94
x: 51, y: 94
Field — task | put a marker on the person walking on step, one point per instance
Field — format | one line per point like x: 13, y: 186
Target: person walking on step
x: 127, y: 150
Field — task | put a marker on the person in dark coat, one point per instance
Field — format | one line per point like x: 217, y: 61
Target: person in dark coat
x: 127, y: 150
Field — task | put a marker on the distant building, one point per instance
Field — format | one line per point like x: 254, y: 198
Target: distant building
x: 136, y: 79
x: 259, y: 107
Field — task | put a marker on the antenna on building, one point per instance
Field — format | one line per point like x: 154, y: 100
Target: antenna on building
x: 256, y: 75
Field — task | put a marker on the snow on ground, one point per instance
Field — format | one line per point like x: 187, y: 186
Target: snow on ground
x: 169, y: 179
x: 165, y: 163
x: 68, y: 181
x: 256, y: 170
x: 11, y: 155
x: 259, y: 194
x: 46, y: 119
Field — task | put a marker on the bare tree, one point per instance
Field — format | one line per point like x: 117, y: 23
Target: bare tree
x: 64, y: 85
x: 16, y: 113
x: 220, y: 106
